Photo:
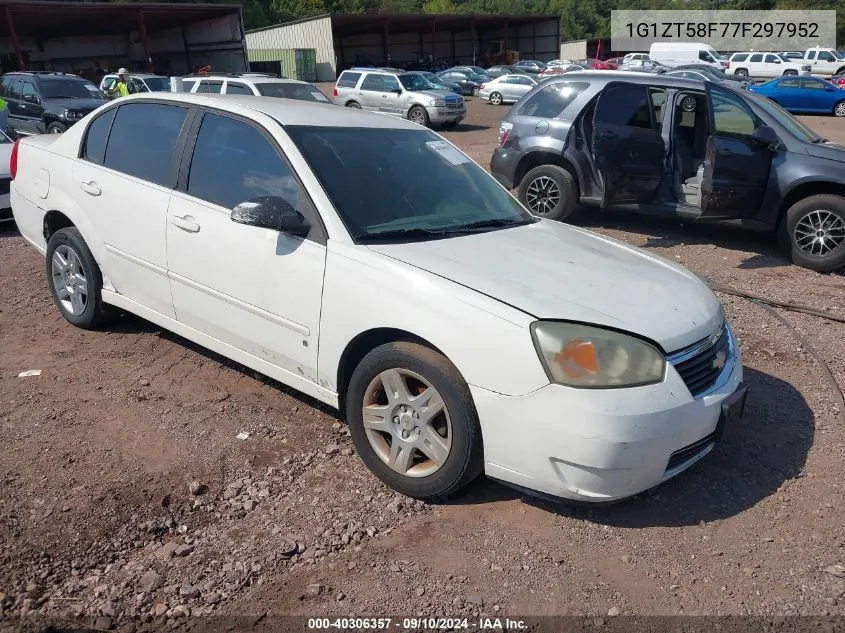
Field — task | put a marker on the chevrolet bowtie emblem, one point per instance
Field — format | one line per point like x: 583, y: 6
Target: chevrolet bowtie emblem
x: 719, y: 360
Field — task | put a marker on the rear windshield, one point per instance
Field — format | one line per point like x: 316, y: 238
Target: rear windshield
x: 61, y: 88
x: 286, y: 90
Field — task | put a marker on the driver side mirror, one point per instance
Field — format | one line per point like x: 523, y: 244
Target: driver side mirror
x: 764, y: 135
x: 271, y: 212
x: 31, y: 98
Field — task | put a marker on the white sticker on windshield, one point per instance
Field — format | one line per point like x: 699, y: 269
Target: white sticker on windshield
x: 452, y: 154
x: 92, y: 88
x: 319, y: 96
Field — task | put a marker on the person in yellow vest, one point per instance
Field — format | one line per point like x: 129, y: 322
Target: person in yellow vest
x: 121, y: 88
x: 4, y: 115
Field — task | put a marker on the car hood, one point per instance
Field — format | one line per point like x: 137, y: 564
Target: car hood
x: 553, y: 271
x: 81, y: 105
x: 830, y: 151
x: 436, y: 94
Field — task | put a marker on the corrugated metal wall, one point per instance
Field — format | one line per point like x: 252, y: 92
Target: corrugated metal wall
x: 576, y: 49
x: 316, y: 34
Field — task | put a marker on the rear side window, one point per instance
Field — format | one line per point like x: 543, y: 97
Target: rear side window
x: 739, y: 57
x: 143, y: 139
x: 756, y: 58
x: 625, y: 104
x: 97, y: 136
x: 373, y: 82
x: 234, y: 162
x: 213, y: 87
x: 772, y: 59
x: 788, y: 83
x: 348, y: 79
x: 233, y: 88
x: 552, y: 100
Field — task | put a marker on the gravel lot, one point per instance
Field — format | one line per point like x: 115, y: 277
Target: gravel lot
x: 127, y: 497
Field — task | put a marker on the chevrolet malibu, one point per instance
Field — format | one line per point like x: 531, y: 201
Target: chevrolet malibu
x: 459, y: 334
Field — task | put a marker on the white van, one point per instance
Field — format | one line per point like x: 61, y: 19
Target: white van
x: 677, y: 53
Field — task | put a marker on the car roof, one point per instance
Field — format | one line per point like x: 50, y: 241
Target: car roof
x: 603, y: 76
x: 285, y: 111
x: 255, y: 80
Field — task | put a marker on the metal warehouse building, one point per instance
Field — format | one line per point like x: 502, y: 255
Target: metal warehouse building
x: 343, y: 40
x: 168, y: 38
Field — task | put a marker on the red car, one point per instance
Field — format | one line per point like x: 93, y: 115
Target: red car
x: 838, y: 80
x: 593, y: 64
x: 614, y: 62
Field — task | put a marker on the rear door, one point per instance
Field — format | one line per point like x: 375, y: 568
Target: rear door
x: 756, y: 67
x: 815, y: 96
x: 628, y: 149
x: 736, y: 168
x: 788, y: 93
x: 369, y: 94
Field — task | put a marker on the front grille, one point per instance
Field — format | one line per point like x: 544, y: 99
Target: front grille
x: 688, y: 452
x: 454, y: 102
x: 5, y: 184
x: 701, y: 371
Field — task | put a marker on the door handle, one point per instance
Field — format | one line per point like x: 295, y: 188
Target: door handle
x: 725, y: 152
x: 186, y: 223
x: 91, y: 188
x: 607, y: 135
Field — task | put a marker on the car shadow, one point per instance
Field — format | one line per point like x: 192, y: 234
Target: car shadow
x: 9, y: 229
x: 767, y: 447
x: 669, y: 232
x: 469, y: 127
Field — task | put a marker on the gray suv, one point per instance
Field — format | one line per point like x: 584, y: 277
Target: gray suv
x: 407, y: 95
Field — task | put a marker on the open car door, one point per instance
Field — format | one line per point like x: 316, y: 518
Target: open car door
x: 628, y: 149
x: 738, y: 158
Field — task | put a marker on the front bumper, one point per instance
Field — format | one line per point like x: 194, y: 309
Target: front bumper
x: 600, y: 445
x: 446, y: 115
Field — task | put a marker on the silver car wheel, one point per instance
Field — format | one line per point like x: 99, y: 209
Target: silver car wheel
x: 543, y: 195
x: 416, y: 115
x: 496, y: 99
x: 69, y: 280
x: 840, y: 109
x: 407, y: 423
x: 819, y: 233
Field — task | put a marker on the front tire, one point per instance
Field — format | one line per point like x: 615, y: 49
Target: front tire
x: 815, y: 232
x: 839, y: 109
x: 354, y: 104
x: 496, y: 98
x: 56, y: 128
x: 418, y: 114
x: 475, y: 91
x: 413, y: 421
x: 75, y: 280
x: 790, y: 73
x: 549, y: 191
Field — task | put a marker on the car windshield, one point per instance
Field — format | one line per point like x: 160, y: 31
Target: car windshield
x: 401, y: 184
x: 289, y: 90
x: 60, y: 88
x: 791, y: 123
x: 158, y: 84
x: 839, y: 54
x: 414, y: 82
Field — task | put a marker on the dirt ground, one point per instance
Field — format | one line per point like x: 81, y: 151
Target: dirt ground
x: 128, y: 499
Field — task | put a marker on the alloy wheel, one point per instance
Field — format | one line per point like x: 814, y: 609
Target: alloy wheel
x: 69, y: 280
x: 840, y: 109
x: 496, y: 98
x: 416, y: 116
x: 543, y: 195
x: 819, y: 233
x: 407, y: 423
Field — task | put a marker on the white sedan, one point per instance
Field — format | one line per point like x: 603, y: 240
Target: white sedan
x: 506, y: 88
x: 457, y: 333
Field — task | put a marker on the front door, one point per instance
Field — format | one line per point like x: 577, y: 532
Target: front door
x: 736, y: 167
x: 253, y: 288
x: 393, y: 98
x: 628, y: 149
x: 31, y: 110
x: 788, y: 93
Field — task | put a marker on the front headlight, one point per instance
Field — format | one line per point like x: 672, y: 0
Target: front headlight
x: 439, y: 103
x: 591, y: 357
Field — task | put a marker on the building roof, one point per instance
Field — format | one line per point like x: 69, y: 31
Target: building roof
x: 344, y: 24
x: 46, y: 19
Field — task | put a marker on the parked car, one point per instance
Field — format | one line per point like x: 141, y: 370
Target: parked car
x: 613, y: 393
x: 498, y: 71
x: 593, y: 64
x: 137, y: 82
x: 824, y: 61
x: 6, y: 146
x: 764, y: 65
x: 48, y: 102
x: 256, y: 84
x: 615, y: 61
x: 469, y: 86
x: 406, y: 95
x: 552, y: 71
x: 677, y: 53
x: 644, y: 66
x: 476, y: 73
x: 713, y: 73
x: 792, y: 55
x: 804, y: 94
x: 838, y: 80
x: 601, y: 140
x: 559, y: 62
x: 506, y: 89
x: 701, y: 76
x: 438, y: 83
x: 530, y: 66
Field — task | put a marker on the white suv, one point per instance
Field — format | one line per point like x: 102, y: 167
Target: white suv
x: 764, y: 65
x: 371, y: 264
x: 257, y: 84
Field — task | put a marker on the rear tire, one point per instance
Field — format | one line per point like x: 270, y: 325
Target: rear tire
x: 549, y: 192
x: 814, y: 230
x: 495, y: 98
x: 475, y: 91
x: 457, y: 428
x: 75, y: 280
x: 839, y: 109
x: 56, y: 128
x: 354, y: 104
x: 790, y: 73
x: 741, y: 72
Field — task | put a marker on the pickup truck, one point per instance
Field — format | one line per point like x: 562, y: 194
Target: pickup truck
x: 824, y: 61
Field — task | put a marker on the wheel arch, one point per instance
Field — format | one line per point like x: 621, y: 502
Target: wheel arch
x: 807, y: 189
x: 544, y: 157
x: 53, y: 221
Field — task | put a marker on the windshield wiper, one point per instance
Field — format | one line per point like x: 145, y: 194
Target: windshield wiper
x: 490, y: 224
x: 401, y: 234
x: 820, y: 140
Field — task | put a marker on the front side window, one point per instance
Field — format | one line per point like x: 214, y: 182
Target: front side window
x: 826, y: 56
x: 136, y: 86
x: 391, y: 84
x: 234, y: 162
x: 94, y: 146
x: 415, y: 82
x: 403, y: 184
x: 731, y: 116
x: 551, y: 101
x: 143, y: 140
x: 28, y: 91
x: 705, y: 56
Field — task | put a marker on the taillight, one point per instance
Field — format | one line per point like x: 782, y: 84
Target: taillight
x: 334, y: 91
x: 481, y: 87
x: 504, y: 133
x: 13, y: 160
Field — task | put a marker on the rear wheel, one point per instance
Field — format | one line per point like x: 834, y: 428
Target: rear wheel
x: 839, y: 109
x: 413, y: 421
x: 354, y: 104
x: 496, y: 98
x: 789, y: 73
x: 815, y: 232
x: 56, y: 128
x: 418, y: 114
x: 741, y: 72
x: 549, y: 192
x: 475, y: 91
